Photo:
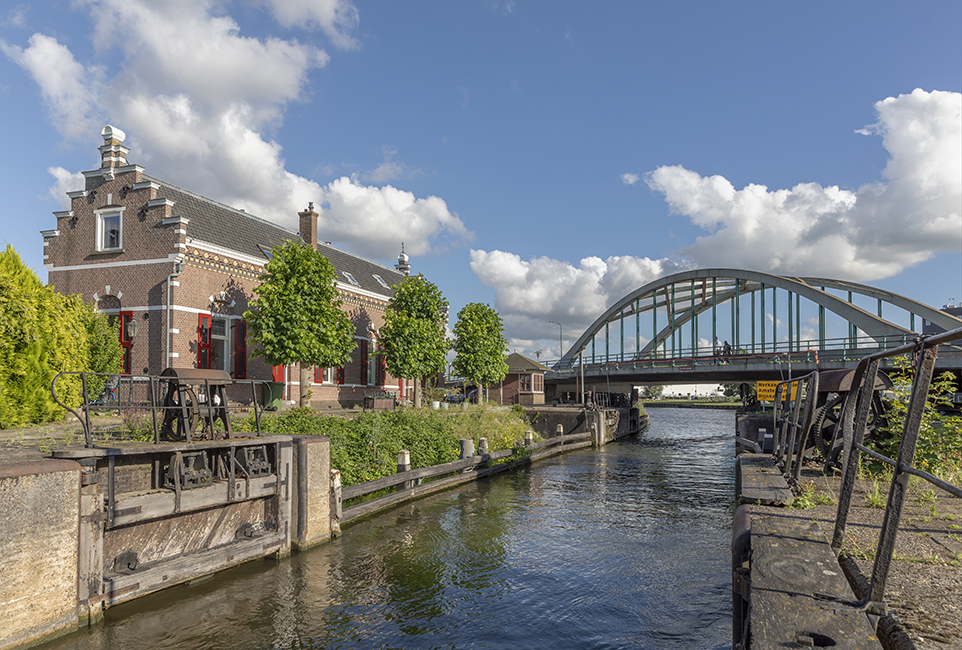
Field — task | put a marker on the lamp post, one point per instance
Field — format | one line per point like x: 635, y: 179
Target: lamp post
x: 561, y: 345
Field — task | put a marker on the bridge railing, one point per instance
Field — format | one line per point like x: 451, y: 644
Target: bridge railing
x: 783, y: 352
x: 854, y: 423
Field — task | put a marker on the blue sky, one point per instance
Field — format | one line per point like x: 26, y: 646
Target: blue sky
x: 544, y: 157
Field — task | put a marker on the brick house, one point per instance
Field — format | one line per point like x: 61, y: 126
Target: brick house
x: 184, y: 268
x: 524, y: 383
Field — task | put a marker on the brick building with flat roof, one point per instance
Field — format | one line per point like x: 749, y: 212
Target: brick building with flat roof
x: 184, y: 268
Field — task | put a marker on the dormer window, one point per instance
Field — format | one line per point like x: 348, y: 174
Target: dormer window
x: 350, y: 278
x: 381, y: 281
x: 109, y: 229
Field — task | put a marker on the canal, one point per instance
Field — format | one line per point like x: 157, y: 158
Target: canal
x: 627, y: 546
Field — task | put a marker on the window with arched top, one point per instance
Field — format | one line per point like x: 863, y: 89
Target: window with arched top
x: 108, y: 303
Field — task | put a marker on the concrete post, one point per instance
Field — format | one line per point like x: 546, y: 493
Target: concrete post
x: 467, y: 451
x: 528, y: 438
x: 560, y: 430
x: 404, y: 465
x: 336, y: 508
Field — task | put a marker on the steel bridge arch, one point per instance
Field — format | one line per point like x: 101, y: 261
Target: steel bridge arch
x: 734, y: 283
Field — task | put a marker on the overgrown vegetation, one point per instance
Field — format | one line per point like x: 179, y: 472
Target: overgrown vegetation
x: 366, y: 447
x: 940, y: 436
x: 43, y: 333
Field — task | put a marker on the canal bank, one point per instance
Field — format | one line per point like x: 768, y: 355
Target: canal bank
x: 623, y: 545
x: 96, y: 527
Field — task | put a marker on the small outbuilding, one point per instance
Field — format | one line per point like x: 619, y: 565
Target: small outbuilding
x: 524, y: 383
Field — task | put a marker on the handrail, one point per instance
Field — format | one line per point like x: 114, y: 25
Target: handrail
x: 854, y: 426
x: 152, y: 383
x: 789, y: 432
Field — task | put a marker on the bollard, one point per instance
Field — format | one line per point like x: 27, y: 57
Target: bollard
x: 560, y: 430
x: 483, y: 446
x: 404, y: 465
x: 528, y: 438
x: 336, y: 508
x: 467, y: 451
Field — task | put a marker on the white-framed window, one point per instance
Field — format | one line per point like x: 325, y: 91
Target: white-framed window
x: 350, y: 278
x: 219, y: 343
x: 372, y: 361
x: 110, y: 229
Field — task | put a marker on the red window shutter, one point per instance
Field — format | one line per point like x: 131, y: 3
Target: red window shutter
x: 318, y: 375
x: 125, y: 342
x: 363, y: 363
x: 381, y: 372
x: 340, y: 374
x: 277, y: 373
x: 203, y: 340
x: 240, y: 350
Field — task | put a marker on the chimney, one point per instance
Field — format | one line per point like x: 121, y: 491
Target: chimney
x: 309, y: 225
x: 402, y: 262
x: 113, y: 154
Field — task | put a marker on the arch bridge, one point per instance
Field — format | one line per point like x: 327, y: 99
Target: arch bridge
x: 674, y: 330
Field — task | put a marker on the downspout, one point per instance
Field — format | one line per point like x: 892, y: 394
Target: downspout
x: 178, y: 268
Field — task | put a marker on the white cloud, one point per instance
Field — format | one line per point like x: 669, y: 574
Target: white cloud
x: 629, y: 178
x: 335, y: 17
x: 64, y: 181
x: 390, y: 169
x: 372, y: 219
x: 868, y: 234
x: 70, y: 89
x: 199, y: 101
x: 16, y: 16
x: 530, y: 293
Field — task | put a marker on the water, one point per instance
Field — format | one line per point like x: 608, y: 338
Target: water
x: 623, y: 547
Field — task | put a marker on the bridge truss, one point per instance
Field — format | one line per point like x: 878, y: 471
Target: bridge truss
x: 678, y: 317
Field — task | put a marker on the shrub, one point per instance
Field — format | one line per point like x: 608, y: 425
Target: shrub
x: 366, y: 447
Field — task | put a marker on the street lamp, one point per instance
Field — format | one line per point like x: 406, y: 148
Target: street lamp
x: 561, y: 345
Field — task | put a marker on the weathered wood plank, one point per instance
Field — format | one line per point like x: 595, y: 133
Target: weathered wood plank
x: 791, y: 562
x: 121, y: 587
x: 759, y: 481
x: 439, y: 470
x: 153, y: 505
x: 395, y: 498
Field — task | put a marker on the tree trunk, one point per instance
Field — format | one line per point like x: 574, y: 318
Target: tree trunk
x: 305, y: 381
x: 417, y: 393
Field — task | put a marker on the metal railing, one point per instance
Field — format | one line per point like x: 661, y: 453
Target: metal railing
x: 854, y: 422
x: 188, y: 407
x: 839, y: 349
x: 793, y: 418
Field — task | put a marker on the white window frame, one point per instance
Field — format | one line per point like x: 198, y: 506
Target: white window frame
x: 216, y: 339
x: 103, y: 214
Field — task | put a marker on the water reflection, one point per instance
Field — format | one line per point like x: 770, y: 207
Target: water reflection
x: 622, y: 547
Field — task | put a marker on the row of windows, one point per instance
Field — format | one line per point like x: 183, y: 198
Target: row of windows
x: 531, y: 383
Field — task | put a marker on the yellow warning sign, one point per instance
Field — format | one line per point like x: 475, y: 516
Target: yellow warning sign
x: 765, y: 390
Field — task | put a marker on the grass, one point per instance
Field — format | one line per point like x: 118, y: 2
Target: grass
x: 875, y: 498
x: 809, y: 497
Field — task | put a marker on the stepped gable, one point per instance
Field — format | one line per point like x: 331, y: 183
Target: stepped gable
x: 233, y: 229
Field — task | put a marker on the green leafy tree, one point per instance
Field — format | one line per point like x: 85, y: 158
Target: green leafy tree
x: 297, y: 315
x: 480, y: 345
x: 104, y: 350
x: 412, y: 338
x: 939, y: 448
x: 652, y: 392
x: 42, y: 333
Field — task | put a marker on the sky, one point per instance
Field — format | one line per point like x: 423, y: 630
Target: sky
x: 546, y: 158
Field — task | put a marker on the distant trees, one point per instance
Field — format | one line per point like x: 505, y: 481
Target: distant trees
x: 480, y: 345
x: 652, y: 392
x: 412, y: 339
x: 43, y: 333
x: 297, y: 316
